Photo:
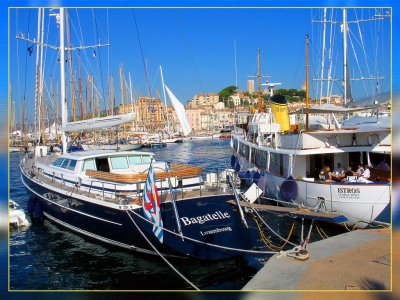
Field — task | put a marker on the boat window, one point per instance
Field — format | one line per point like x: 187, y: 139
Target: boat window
x: 135, y: 159
x: 65, y: 163
x: 58, y: 162
x: 72, y: 165
x: 119, y: 162
x: 146, y: 159
x: 88, y: 164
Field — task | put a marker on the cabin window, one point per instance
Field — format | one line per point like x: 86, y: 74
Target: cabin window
x: 135, y: 159
x: 119, y: 162
x: 88, y: 164
x: 58, y: 162
x: 72, y: 165
x: 65, y: 163
x: 146, y: 159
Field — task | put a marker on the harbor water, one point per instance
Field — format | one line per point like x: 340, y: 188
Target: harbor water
x: 45, y: 256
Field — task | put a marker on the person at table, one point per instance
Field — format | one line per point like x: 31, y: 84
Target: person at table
x: 366, y: 174
x: 327, y: 174
x: 360, y: 170
x: 339, y: 169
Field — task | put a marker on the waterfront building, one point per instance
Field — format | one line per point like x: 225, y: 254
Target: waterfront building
x: 203, y: 100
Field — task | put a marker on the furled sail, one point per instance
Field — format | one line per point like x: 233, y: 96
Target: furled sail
x: 96, y: 123
x: 180, y: 112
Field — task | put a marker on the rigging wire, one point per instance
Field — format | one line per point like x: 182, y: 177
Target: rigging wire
x: 141, y: 52
x: 99, y: 52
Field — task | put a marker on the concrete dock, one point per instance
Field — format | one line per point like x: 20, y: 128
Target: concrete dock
x: 357, y: 260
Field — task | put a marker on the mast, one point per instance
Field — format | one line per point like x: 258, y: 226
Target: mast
x: 122, y: 85
x: 64, y: 113
x: 71, y: 75
x: 165, y: 98
x: 259, y: 76
x: 346, y: 78
x: 259, y: 100
x: 80, y: 89
x: 307, y: 79
x: 323, y: 57
x: 37, y: 88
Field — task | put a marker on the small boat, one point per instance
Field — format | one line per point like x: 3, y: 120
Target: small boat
x: 17, y: 216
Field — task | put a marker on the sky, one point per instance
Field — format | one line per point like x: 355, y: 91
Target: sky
x: 198, y: 49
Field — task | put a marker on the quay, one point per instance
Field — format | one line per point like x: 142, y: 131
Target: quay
x: 356, y: 260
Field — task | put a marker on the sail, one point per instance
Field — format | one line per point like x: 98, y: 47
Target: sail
x: 180, y: 112
x: 96, y: 123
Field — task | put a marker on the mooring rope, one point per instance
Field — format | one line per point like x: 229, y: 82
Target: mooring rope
x: 160, y: 254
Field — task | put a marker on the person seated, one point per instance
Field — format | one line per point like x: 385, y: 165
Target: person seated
x: 366, y: 174
x: 321, y: 175
x: 327, y: 174
x: 339, y: 169
x: 349, y: 172
x: 338, y: 173
x: 359, y: 171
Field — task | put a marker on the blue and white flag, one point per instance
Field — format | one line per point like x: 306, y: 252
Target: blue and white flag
x: 151, y: 204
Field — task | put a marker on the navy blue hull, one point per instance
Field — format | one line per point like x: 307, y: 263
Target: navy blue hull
x: 205, y: 222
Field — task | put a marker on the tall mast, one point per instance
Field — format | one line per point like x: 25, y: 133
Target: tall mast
x: 37, y: 88
x: 165, y: 98
x: 259, y: 100
x: 80, y: 89
x: 64, y: 113
x: 307, y: 79
x: 323, y: 57
x: 122, y: 85
x: 346, y: 83
x: 71, y: 75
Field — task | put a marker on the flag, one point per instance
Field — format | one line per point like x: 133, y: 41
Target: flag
x: 30, y: 50
x: 151, y: 204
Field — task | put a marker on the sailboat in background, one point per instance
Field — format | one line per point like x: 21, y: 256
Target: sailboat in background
x: 180, y: 113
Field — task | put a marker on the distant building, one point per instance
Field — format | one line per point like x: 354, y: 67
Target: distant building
x: 149, y: 112
x: 235, y: 99
x: 250, y: 86
x: 203, y: 100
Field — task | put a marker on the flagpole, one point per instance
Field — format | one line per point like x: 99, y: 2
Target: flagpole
x: 178, y: 223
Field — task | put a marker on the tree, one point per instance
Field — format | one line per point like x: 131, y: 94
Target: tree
x: 226, y: 92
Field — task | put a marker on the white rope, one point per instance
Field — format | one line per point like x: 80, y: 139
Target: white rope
x: 204, y: 243
x: 160, y: 254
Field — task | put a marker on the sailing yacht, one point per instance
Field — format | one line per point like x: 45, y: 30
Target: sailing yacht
x: 108, y: 196
x: 290, y: 154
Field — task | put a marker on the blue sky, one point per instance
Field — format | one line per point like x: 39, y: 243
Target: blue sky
x: 195, y: 46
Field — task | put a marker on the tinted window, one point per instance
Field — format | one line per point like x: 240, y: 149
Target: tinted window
x: 72, y: 165
x: 65, y: 163
x: 58, y: 162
